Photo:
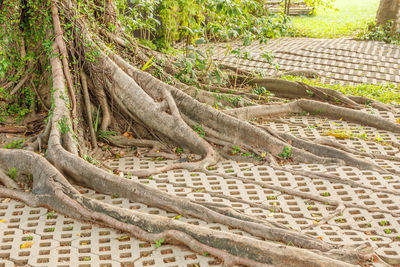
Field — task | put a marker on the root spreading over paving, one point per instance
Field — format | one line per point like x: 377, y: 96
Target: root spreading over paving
x: 175, y: 115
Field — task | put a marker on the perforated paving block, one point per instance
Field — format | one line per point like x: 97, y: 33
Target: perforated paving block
x: 343, y: 61
x: 369, y: 217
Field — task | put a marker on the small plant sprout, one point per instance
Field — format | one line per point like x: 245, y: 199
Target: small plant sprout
x: 286, y: 153
x: 12, y: 173
x: 159, y: 242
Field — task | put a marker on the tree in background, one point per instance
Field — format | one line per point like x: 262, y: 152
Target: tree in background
x: 389, y: 12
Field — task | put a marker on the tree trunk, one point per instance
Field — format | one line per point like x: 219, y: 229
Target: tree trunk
x: 389, y: 11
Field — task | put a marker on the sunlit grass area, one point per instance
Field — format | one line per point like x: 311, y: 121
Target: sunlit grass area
x: 349, y: 17
x: 386, y: 93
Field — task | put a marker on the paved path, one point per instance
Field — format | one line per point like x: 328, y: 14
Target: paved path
x: 338, y: 60
x: 61, y: 241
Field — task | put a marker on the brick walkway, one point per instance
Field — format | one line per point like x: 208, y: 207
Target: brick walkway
x: 338, y: 60
x: 61, y: 241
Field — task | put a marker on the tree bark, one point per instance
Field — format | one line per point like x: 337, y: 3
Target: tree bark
x: 388, y: 11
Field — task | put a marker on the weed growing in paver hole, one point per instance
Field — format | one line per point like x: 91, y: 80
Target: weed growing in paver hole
x: 50, y: 214
x: 205, y: 254
x: 340, y: 220
x: 70, y: 228
x: 326, y: 194
x: 383, y: 223
x: 28, y: 238
x: 229, y: 171
x: 369, y: 224
x: 86, y: 258
x: 159, y: 242
x: 115, y: 196
x: 388, y: 231
x: 272, y: 197
x: 50, y: 229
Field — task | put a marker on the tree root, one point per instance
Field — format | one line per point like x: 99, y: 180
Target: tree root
x: 86, y: 99
x: 173, y: 116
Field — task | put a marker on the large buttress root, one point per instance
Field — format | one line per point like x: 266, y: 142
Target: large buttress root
x: 53, y: 190
x: 171, y: 114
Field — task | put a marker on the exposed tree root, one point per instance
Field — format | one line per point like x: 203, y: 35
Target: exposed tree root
x: 173, y: 116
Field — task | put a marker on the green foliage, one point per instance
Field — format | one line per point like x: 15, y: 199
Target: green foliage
x: 379, y: 33
x: 286, y: 153
x: 386, y: 93
x: 50, y: 214
x: 159, y: 242
x: 191, y: 20
x: 106, y: 135
x: 199, y: 129
x: 14, y: 65
x: 63, y: 125
x: 236, y: 150
x: 12, y: 173
x: 15, y: 144
x: 90, y: 160
x: 148, y: 64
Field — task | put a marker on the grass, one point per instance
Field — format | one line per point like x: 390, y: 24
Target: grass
x: 346, y: 19
x: 386, y: 93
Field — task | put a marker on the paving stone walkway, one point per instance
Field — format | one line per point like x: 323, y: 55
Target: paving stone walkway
x: 61, y: 241
x: 342, y: 61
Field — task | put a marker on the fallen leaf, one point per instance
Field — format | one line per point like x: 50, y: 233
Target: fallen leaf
x: 128, y: 135
x: 123, y: 237
x: 315, y: 222
x: 320, y: 237
x: 177, y: 217
x: 2, y: 221
x: 27, y: 244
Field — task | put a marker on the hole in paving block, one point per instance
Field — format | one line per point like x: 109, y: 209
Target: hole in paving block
x: 121, y: 247
x: 145, y: 254
x: 24, y: 253
x: 45, y: 244
x: 125, y: 255
x: 64, y: 259
x: 105, y: 257
x: 170, y: 259
x: 42, y: 260
x: 127, y: 264
x: 44, y: 252
x: 166, y: 251
x: 148, y: 263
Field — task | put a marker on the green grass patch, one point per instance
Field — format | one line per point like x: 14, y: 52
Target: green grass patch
x: 385, y: 93
x: 345, y: 19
